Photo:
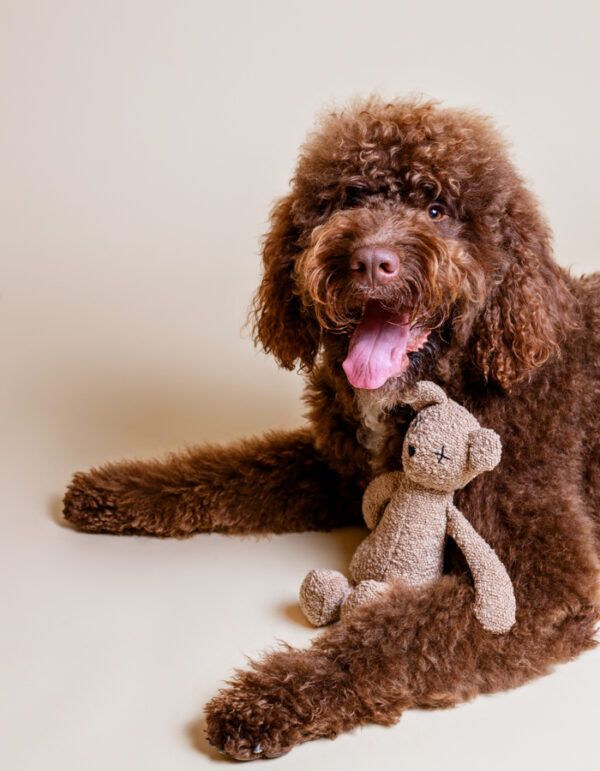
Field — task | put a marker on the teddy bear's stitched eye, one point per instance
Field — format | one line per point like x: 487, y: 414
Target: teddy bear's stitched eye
x: 441, y: 454
x: 411, y: 450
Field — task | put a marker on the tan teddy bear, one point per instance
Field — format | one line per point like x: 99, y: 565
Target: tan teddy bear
x: 411, y: 512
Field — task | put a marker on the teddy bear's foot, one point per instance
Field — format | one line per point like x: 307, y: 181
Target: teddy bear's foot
x: 365, y: 591
x: 322, y: 594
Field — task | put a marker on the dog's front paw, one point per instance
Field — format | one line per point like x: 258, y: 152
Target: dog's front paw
x: 247, y: 723
x: 97, y: 504
x: 289, y: 697
x: 86, y: 505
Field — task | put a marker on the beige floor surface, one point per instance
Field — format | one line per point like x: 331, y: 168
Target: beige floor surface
x: 110, y: 646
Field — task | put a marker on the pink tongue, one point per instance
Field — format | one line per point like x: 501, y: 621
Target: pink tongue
x: 377, y: 349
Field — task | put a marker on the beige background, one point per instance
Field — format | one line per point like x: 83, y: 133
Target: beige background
x: 142, y: 144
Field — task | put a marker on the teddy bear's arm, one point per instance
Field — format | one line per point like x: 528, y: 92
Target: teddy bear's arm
x: 494, y: 594
x: 377, y: 496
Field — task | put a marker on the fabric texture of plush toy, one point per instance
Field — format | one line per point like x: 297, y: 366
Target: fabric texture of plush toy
x: 411, y: 512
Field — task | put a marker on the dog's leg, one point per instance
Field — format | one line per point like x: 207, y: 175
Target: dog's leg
x: 416, y: 648
x: 278, y: 483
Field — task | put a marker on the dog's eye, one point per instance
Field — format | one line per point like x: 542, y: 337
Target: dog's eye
x: 436, y: 211
x: 411, y: 450
x: 353, y: 196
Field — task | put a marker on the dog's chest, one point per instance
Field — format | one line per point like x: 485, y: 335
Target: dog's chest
x: 381, y: 432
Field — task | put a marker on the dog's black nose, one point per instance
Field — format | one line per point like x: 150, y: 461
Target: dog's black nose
x: 374, y: 265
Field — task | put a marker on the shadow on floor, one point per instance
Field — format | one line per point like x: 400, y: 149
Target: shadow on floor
x: 196, y: 734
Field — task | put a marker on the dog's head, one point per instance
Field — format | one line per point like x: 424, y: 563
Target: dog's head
x: 408, y: 233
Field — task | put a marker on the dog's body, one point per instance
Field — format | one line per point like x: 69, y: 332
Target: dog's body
x: 473, y: 301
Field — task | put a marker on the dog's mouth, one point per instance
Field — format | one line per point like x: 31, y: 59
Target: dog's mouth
x: 380, y: 345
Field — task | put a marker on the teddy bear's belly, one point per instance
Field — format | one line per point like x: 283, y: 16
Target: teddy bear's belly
x: 405, y: 545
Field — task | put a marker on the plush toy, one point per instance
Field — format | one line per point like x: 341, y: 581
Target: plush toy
x: 411, y: 512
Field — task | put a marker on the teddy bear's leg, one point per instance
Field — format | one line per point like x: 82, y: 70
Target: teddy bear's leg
x: 322, y: 594
x: 365, y: 591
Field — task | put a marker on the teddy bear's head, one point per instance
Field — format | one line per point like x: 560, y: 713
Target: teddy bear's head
x: 445, y: 447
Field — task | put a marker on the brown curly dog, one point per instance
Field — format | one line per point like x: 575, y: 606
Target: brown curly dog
x: 408, y: 248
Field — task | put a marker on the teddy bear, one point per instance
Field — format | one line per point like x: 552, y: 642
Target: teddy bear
x: 410, y: 514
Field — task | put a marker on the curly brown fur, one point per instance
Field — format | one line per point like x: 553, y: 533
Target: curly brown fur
x: 437, y: 273
x: 512, y: 336
x: 216, y: 489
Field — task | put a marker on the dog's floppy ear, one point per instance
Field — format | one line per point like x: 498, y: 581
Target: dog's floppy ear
x: 530, y: 310
x: 282, y: 326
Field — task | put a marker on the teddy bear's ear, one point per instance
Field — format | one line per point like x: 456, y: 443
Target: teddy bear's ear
x: 424, y: 394
x: 485, y: 449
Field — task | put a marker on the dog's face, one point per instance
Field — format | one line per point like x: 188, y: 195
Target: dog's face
x: 407, y: 233
x: 387, y: 274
